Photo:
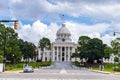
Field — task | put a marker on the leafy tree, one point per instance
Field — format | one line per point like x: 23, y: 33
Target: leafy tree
x: 107, y: 51
x: 28, y: 50
x: 95, y: 49
x: 116, y: 46
x: 75, y: 55
x: 82, y: 42
x: 91, y: 49
x: 9, y: 44
x: 1, y: 58
x: 44, y: 43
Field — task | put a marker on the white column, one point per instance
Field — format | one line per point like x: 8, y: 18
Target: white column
x: 53, y: 55
x: 43, y: 59
x: 65, y: 55
x: 39, y: 54
x: 69, y: 54
x: 57, y: 53
x: 61, y: 53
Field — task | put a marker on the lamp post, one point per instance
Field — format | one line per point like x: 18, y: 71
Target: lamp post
x: 4, y: 50
x: 13, y: 59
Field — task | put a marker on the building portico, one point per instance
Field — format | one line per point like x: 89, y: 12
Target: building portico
x: 63, y: 51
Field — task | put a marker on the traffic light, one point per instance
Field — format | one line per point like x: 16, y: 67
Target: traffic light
x: 16, y: 25
x: 114, y: 34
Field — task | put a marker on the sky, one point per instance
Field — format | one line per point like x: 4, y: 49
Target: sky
x: 42, y: 18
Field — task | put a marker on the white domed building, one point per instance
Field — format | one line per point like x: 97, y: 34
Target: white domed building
x: 61, y: 49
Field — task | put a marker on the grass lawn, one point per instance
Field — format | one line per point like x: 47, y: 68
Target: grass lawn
x: 109, y: 67
x: 19, y: 66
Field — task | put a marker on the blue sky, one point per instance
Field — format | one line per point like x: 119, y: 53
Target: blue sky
x: 42, y: 18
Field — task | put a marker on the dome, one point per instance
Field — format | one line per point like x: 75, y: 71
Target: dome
x: 63, y: 30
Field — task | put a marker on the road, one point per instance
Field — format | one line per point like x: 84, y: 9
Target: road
x: 59, y: 73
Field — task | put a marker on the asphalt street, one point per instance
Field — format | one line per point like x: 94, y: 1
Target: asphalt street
x: 61, y: 73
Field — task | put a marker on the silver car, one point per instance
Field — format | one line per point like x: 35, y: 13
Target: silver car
x: 28, y: 69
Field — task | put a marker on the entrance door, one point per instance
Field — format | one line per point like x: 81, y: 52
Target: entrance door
x: 62, y: 58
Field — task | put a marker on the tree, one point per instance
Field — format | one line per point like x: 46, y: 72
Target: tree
x: 90, y: 49
x: 82, y: 42
x: 75, y: 55
x: 116, y: 46
x: 107, y: 51
x: 1, y: 58
x: 28, y: 49
x: 44, y: 43
x: 9, y: 44
x: 95, y: 49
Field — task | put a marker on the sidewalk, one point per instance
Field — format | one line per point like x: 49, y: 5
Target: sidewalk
x: 19, y: 71
x: 104, y: 72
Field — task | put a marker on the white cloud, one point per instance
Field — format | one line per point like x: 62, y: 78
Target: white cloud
x: 48, y: 10
x: 38, y: 9
x: 38, y: 30
x: 92, y: 31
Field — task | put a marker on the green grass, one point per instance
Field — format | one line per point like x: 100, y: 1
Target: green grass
x: 109, y: 67
x: 19, y: 66
x: 16, y: 69
x: 76, y: 63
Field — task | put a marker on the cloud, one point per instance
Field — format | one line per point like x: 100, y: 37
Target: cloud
x: 93, y: 31
x: 33, y: 33
x: 107, y: 39
x: 38, y: 30
x: 105, y: 15
x: 40, y: 9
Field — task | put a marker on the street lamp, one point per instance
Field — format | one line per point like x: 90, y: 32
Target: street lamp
x: 13, y: 59
x: 15, y: 27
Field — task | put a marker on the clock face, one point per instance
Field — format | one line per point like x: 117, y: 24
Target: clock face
x: 63, y: 39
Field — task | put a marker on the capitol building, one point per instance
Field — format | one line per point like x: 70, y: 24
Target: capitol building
x: 61, y: 49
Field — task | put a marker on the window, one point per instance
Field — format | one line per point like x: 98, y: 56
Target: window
x: 55, y: 53
x: 55, y: 48
x: 63, y: 49
x: 62, y: 54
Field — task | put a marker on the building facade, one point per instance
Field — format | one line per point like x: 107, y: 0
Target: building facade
x: 61, y: 49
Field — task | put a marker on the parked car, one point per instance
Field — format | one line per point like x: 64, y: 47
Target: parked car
x: 28, y: 69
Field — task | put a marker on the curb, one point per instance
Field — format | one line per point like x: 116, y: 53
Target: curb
x: 13, y: 71
x: 104, y: 72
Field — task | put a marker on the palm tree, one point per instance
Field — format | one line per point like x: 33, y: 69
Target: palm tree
x: 44, y: 43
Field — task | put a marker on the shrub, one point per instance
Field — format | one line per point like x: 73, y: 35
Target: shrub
x: 117, y: 69
x: 8, y: 67
x: 1, y: 58
x: 76, y: 63
x: 48, y: 63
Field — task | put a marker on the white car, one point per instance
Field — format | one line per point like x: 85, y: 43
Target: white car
x: 28, y: 69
